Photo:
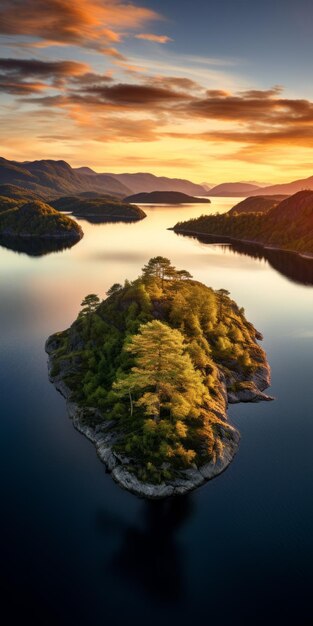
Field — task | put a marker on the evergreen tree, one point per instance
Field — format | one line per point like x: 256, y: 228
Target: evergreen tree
x: 223, y: 294
x: 89, y: 304
x: 163, y: 378
x: 159, y: 267
x: 114, y: 289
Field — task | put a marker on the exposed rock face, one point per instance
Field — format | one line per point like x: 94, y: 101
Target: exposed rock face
x: 104, y: 437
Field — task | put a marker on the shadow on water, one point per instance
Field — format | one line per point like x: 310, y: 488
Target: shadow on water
x: 149, y: 556
x: 296, y: 268
x: 36, y: 246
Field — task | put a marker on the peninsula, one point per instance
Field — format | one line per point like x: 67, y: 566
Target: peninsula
x: 148, y: 374
x: 288, y: 225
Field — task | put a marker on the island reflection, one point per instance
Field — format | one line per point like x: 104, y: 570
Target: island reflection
x: 36, y: 246
x: 150, y: 556
x: 97, y: 219
x: 296, y: 268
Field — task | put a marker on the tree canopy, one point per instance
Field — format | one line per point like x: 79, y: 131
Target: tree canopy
x: 163, y: 376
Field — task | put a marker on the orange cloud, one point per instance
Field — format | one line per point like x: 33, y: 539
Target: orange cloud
x: 154, y: 38
x: 94, y: 24
x: 154, y: 108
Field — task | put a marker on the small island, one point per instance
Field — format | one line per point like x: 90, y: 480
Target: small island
x: 101, y: 208
x: 37, y: 220
x: 148, y: 374
x: 165, y: 197
x: 288, y: 225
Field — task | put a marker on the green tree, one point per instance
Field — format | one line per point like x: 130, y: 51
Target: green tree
x: 163, y: 379
x: 223, y: 295
x: 90, y: 303
x: 159, y: 267
x: 183, y: 275
x: 114, y: 289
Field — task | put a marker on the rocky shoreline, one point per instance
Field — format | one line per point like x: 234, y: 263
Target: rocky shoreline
x: 104, y: 437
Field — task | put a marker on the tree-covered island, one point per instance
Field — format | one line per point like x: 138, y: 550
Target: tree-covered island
x: 37, y: 220
x: 105, y: 208
x: 148, y: 373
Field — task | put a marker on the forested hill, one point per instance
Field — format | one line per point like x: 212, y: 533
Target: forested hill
x: 165, y: 197
x: 39, y: 220
x: 256, y: 204
x: 149, y: 369
x: 105, y: 207
x: 287, y: 225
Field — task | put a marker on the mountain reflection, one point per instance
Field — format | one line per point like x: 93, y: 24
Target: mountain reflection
x: 296, y: 268
x: 149, y: 555
x: 36, y: 246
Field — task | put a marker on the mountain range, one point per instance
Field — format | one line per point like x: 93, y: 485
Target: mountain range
x: 51, y: 179
x: 257, y: 189
x: 145, y: 182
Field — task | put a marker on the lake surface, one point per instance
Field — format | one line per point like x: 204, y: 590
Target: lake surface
x: 76, y: 549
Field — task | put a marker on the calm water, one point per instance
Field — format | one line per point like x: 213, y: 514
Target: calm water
x: 79, y: 550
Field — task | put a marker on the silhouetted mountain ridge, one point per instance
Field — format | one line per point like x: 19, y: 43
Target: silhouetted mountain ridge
x: 146, y: 182
x: 50, y: 179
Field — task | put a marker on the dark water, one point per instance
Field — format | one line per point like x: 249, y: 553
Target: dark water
x: 76, y: 549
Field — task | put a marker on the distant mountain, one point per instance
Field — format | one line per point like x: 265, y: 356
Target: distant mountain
x: 50, y: 179
x: 164, y: 197
x: 256, y: 204
x: 207, y: 186
x: 85, y: 170
x: 144, y: 182
x: 251, y: 189
x: 234, y: 189
x: 288, y: 188
x: 287, y: 226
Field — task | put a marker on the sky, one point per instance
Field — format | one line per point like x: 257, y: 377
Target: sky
x: 212, y: 91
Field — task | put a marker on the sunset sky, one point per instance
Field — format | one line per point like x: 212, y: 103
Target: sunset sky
x: 207, y: 90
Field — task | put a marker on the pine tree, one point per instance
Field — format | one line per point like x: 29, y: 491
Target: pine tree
x: 159, y: 267
x: 89, y: 304
x: 163, y: 379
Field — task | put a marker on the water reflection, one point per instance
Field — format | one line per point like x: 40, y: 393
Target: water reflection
x: 97, y: 219
x: 149, y: 555
x: 36, y: 246
x: 296, y: 268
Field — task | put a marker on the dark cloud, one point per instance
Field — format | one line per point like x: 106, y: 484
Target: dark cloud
x: 25, y: 68
x: 22, y: 77
x: 131, y: 95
